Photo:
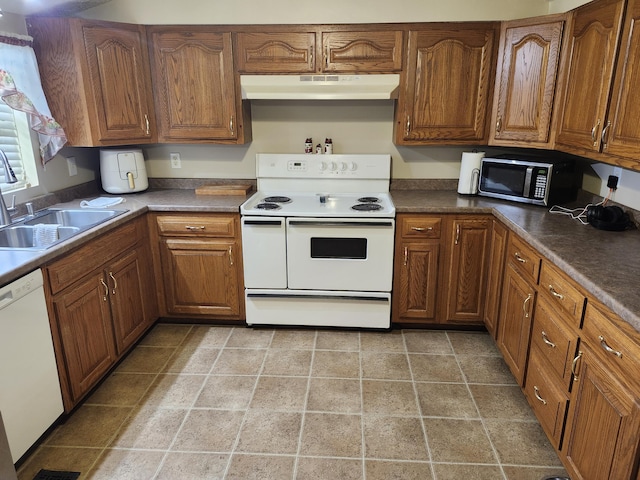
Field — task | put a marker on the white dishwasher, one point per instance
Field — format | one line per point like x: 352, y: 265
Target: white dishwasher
x: 30, y: 396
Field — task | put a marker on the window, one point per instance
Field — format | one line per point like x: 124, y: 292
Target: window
x: 15, y: 142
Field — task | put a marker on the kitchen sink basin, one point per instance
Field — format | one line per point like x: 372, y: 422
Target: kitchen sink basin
x: 51, y: 226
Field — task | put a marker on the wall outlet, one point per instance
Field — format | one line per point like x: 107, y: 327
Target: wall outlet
x: 71, y: 165
x: 175, y: 160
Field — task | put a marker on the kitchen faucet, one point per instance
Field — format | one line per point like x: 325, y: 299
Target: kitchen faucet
x: 9, y: 177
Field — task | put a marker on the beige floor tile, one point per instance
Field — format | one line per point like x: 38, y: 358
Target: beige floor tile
x: 502, y: 401
x: 287, y: 362
x: 533, y: 473
x: 209, y: 431
x: 336, y: 364
x: 380, y: 365
x: 149, y: 428
x: 388, y: 470
x: 166, y: 335
x: 250, y: 338
x: 122, y: 389
x: 458, y: 441
x: 270, y: 432
x: 331, y: 435
x: 472, y: 343
x: 90, y: 426
x: 294, y: 339
x: 338, y: 340
x: 202, y: 336
x: 188, y: 359
x: 435, y: 368
x: 485, y: 369
x: 239, y: 361
x: 521, y: 443
x: 228, y: 392
x: 146, y: 359
x: 126, y: 465
x: 382, y: 341
x: 388, y: 398
x: 446, y: 400
x: 338, y: 395
x: 261, y: 467
x: 280, y: 393
x: 398, y: 438
x: 457, y: 471
x: 170, y: 390
x: 427, y: 341
x: 69, y: 459
x: 334, y: 468
x: 193, y: 466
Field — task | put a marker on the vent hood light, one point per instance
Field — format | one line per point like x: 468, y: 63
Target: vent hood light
x: 320, y: 87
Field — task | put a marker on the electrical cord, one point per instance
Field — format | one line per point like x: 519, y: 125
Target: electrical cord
x: 580, y: 213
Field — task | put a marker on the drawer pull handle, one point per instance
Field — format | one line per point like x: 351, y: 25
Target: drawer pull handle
x: 457, y: 234
x: 536, y: 392
x: 607, y: 348
x: 573, y: 366
x: 519, y: 258
x: 546, y: 340
x: 524, y: 306
x: 194, y: 228
x: 559, y: 296
x: 115, y: 282
x: 231, y: 255
x: 106, y: 290
x: 422, y: 229
x: 406, y: 256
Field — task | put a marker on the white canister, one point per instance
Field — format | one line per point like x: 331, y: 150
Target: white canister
x: 469, y: 173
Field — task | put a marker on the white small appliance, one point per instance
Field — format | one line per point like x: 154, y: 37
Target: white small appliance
x: 469, y: 173
x: 123, y: 171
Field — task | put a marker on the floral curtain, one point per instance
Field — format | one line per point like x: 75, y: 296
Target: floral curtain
x: 21, y: 89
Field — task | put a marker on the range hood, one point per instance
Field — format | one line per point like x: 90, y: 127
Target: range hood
x: 320, y: 87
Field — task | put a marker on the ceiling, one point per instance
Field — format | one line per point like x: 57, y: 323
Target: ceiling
x: 48, y: 7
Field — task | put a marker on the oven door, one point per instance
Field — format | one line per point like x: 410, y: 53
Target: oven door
x: 264, y: 252
x: 340, y: 254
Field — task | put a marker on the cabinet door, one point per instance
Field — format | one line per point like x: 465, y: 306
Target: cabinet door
x: 415, y: 282
x: 623, y: 139
x: 120, y: 81
x: 275, y: 52
x: 127, y: 279
x: 84, y: 324
x: 516, y: 311
x: 362, y: 51
x: 526, y: 82
x: 499, y: 236
x: 467, y: 269
x: 201, y: 277
x: 592, y: 46
x: 447, y: 87
x: 601, y: 438
x: 194, y: 85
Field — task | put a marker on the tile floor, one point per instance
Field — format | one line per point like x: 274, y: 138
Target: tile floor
x: 200, y: 402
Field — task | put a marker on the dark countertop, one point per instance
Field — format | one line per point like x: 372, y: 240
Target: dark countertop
x: 606, y: 264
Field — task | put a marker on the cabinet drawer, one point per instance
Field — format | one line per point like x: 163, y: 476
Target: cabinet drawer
x: 554, y: 339
x: 615, y: 342
x: 420, y: 227
x: 524, y: 259
x: 562, y: 292
x: 201, y: 225
x: 93, y: 255
x: 547, y: 399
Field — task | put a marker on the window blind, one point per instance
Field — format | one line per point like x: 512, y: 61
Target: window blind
x: 10, y: 145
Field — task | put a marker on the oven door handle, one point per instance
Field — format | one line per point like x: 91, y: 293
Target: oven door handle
x: 263, y: 222
x: 322, y: 223
x: 324, y: 297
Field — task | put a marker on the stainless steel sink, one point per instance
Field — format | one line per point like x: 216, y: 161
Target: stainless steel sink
x: 26, y: 234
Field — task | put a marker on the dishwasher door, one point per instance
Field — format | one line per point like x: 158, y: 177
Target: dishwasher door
x: 30, y: 396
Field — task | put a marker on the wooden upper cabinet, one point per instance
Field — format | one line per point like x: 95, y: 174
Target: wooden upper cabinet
x: 446, y: 89
x: 528, y: 61
x: 591, y: 55
x: 194, y: 85
x: 318, y: 51
x: 96, y: 78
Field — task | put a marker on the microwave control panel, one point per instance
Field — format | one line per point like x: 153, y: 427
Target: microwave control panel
x: 540, y: 184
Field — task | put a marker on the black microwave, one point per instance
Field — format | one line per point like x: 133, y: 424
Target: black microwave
x: 529, y: 179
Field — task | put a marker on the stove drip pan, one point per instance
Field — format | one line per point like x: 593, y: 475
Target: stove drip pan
x: 268, y: 206
x: 277, y: 199
x: 367, y: 207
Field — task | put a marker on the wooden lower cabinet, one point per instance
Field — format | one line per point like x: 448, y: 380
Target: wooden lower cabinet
x: 99, y: 313
x: 499, y: 237
x: 199, y: 259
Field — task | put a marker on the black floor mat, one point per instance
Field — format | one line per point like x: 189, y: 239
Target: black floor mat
x: 55, y: 475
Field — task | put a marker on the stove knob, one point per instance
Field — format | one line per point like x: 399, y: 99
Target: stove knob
x: 322, y: 166
x: 353, y: 166
x: 332, y: 166
x: 343, y: 166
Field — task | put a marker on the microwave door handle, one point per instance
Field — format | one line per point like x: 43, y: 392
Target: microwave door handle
x: 527, y: 183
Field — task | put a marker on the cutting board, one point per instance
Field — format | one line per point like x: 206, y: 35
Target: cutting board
x: 223, y: 190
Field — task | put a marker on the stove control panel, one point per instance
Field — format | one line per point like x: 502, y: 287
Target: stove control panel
x: 296, y: 166
x: 329, y: 166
